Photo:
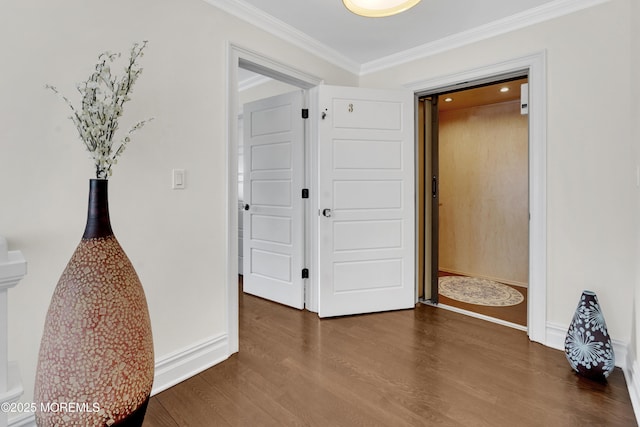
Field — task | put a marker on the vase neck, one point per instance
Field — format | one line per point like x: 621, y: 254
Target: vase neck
x: 98, y: 222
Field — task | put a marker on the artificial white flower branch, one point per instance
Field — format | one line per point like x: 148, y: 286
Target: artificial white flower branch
x: 103, y: 98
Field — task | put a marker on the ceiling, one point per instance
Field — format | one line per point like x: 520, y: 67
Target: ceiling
x: 362, y: 45
x: 483, y: 95
x: 366, y: 39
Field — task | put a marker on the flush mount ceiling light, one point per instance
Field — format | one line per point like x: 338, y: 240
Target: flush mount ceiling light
x: 378, y: 8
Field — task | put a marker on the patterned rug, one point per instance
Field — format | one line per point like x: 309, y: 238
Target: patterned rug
x: 478, y: 291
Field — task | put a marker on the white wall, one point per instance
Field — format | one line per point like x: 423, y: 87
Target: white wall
x: 175, y: 239
x: 592, y: 210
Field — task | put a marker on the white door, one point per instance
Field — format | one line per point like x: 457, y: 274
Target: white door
x: 273, y: 217
x: 366, y: 200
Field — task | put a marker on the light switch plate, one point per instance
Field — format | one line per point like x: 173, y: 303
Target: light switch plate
x: 178, y: 182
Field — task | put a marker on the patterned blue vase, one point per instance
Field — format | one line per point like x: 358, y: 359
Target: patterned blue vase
x: 588, y: 344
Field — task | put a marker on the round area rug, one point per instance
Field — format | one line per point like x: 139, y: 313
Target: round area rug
x: 478, y: 291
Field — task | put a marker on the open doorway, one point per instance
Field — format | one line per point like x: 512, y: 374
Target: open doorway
x: 475, y: 208
x: 239, y: 59
x: 376, y: 154
x: 252, y: 87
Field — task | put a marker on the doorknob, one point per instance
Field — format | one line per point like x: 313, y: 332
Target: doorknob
x: 326, y: 212
x: 246, y: 207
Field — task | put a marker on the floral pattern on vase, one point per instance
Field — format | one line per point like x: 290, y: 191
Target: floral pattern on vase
x: 588, y: 345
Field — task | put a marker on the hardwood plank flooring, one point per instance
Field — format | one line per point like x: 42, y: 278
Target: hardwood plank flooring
x: 420, y: 367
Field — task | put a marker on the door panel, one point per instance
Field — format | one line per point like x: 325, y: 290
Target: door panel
x: 383, y: 155
x: 271, y: 229
x: 372, y: 194
x: 273, y: 218
x: 368, y: 115
x: 359, y: 235
x: 366, y: 187
x: 366, y: 275
x: 271, y: 193
x: 272, y: 156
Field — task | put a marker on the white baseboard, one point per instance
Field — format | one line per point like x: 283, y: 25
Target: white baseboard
x: 185, y: 363
x: 632, y: 376
x: 23, y: 420
x: 169, y: 370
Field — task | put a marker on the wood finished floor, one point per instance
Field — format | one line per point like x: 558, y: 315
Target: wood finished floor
x: 421, y: 367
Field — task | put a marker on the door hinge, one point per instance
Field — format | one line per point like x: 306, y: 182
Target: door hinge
x: 305, y: 193
x: 305, y: 273
x: 305, y: 113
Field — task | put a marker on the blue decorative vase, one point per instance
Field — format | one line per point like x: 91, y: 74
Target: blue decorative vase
x: 588, y: 345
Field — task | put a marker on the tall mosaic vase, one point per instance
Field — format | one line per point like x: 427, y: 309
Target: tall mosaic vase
x: 96, y: 364
x: 588, y: 344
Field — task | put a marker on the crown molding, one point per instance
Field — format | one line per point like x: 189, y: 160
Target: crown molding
x: 268, y: 23
x: 545, y: 12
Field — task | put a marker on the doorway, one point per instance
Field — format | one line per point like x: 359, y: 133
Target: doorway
x: 271, y: 165
x: 534, y: 63
x: 362, y: 157
x: 251, y: 87
x: 476, y: 146
x: 533, y: 66
x: 240, y: 58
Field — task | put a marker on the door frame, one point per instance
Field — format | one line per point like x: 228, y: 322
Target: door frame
x: 535, y: 67
x: 238, y: 56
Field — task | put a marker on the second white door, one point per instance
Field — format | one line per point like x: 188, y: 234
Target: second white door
x: 273, y: 242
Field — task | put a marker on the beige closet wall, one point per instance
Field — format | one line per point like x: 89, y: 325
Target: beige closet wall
x: 484, y: 192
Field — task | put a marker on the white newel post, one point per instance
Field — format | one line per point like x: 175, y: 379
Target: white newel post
x: 13, y: 267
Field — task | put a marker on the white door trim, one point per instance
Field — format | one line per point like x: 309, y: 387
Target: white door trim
x: 237, y: 56
x: 535, y: 65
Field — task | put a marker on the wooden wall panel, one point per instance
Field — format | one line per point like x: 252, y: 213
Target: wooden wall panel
x: 484, y: 192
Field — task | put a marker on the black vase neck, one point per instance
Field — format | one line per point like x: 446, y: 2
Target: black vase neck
x: 98, y: 222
